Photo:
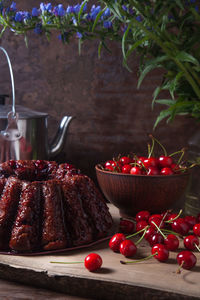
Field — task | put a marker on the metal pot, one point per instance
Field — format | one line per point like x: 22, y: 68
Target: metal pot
x: 24, y: 132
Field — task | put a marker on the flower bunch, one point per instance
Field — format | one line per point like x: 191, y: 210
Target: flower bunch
x: 164, y: 33
x: 70, y: 20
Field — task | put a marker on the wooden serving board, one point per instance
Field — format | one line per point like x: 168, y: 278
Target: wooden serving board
x: 142, y: 280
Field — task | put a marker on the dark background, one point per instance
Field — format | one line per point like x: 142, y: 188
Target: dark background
x: 112, y: 115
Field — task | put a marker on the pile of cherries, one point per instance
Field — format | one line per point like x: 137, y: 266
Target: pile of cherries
x: 163, y: 233
x: 148, y: 165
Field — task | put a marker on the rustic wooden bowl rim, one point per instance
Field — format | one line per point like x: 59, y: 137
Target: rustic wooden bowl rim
x: 141, y: 176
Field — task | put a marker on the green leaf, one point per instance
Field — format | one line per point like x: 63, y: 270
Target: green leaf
x: 152, y: 64
x: 163, y: 114
x: 135, y: 45
x: 2, y: 31
x: 167, y: 102
x: 81, y: 10
x: 26, y: 41
x: 124, y: 41
x: 97, y: 19
x: 184, y: 56
x: 99, y: 49
x: 155, y: 95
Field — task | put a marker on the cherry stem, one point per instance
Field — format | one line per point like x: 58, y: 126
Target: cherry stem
x: 136, y: 233
x: 178, y: 271
x: 68, y: 263
x: 197, y: 247
x: 172, y: 220
x: 172, y: 232
x: 157, y: 141
x: 158, y: 228
x: 136, y: 261
x: 141, y: 238
x: 152, y: 148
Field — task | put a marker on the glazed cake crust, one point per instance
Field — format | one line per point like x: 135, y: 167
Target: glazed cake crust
x: 45, y: 206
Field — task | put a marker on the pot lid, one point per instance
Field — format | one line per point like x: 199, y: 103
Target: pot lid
x: 23, y: 112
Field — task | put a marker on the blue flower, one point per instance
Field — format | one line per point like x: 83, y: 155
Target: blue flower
x: 35, y: 12
x: 59, y: 11
x: 46, y: 7
x: 77, y: 8
x: 84, y: 7
x: 13, y: 6
x: 74, y: 21
x: 70, y: 9
x: 139, y: 18
x: 38, y: 29
x: 26, y: 16
x: 79, y: 35
x: 106, y: 14
x: 124, y: 7
x: 107, y: 24
x: 94, y: 11
x: 19, y: 16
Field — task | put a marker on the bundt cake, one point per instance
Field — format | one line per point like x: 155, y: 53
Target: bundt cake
x: 46, y: 206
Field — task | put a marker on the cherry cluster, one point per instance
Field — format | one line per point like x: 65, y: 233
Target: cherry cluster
x: 147, y: 165
x: 163, y: 233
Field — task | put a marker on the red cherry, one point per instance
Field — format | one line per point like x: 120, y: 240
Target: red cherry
x: 160, y: 252
x: 175, y: 168
x: 126, y: 226
x: 190, y: 220
x: 135, y: 171
x: 186, y: 259
x: 156, y: 238
x: 149, y: 233
x: 108, y: 163
x: 126, y: 169
x: 153, y: 171
x: 141, y: 160
x: 190, y: 241
x: 93, y: 262
x: 166, y: 171
x: 142, y: 215
x: 165, y: 215
x: 171, y: 217
x: 155, y: 216
x: 109, y: 168
x: 125, y: 160
x: 128, y: 248
x: 180, y: 226
x: 115, y: 241
x: 165, y: 161
x: 196, y: 229
x: 171, y: 242
x: 141, y: 225
x: 150, y: 162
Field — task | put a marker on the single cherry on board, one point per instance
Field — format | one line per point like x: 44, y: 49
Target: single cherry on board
x: 160, y: 252
x: 142, y: 215
x: 155, y: 238
x: 128, y: 248
x: 191, y: 220
x: 191, y: 242
x: 171, y: 242
x: 93, y: 262
x: 186, y: 259
x: 196, y: 229
x: 180, y: 226
x: 126, y: 226
x: 115, y: 241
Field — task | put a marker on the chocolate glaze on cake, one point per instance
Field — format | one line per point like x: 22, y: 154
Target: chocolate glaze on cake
x: 46, y: 206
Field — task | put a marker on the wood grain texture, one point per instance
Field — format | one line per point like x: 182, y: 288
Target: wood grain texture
x: 145, y: 280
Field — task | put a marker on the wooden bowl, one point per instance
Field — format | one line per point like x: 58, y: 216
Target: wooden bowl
x: 132, y: 193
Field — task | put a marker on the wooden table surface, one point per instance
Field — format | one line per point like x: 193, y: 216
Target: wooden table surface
x: 144, y: 280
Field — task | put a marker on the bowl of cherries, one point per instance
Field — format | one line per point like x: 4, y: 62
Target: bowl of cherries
x: 154, y: 182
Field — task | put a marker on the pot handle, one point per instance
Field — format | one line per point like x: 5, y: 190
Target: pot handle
x: 11, y: 133
x: 12, y: 80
